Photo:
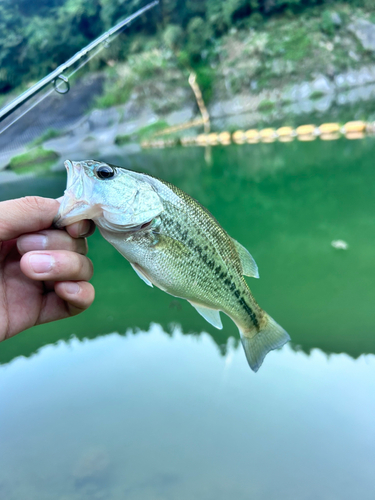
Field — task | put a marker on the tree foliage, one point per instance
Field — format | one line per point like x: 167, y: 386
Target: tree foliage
x: 35, y: 37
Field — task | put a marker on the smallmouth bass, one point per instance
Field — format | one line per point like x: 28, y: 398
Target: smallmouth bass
x: 174, y: 243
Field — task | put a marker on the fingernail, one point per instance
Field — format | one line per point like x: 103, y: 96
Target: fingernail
x: 32, y: 242
x: 41, y: 263
x: 72, y: 287
x: 84, y: 228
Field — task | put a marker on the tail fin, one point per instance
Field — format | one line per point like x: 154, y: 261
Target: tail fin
x: 272, y: 336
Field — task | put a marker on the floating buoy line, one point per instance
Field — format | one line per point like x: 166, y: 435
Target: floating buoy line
x: 325, y: 132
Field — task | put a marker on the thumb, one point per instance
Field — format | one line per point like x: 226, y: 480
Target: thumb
x: 26, y: 215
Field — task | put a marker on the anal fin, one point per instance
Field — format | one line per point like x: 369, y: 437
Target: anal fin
x: 210, y: 315
x: 141, y: 274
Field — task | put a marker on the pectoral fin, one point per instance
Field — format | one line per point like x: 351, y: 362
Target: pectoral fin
x: 141, y: 274
x: 210, y: 315
x: 249, y: 267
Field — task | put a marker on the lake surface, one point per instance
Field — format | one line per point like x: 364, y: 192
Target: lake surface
x: 140, y: 398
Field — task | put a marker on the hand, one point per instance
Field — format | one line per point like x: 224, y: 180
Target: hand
x: 43, y: 271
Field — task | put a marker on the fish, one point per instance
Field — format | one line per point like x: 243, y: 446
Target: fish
x: 174, y: 243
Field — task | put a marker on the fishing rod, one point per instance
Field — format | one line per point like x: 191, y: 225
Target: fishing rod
x: 57, y: 76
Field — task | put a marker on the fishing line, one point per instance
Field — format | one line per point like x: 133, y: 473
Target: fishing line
x: 54, y: 89
x: 103, y: 41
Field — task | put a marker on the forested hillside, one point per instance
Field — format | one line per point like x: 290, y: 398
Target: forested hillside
x: 37, y: 36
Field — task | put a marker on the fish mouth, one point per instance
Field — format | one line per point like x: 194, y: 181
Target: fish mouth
x: 73, y: 170
x: 125, y: 228
x: 71, y: 211
x: 74, y: 206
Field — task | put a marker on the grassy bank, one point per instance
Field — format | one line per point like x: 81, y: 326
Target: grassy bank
x: 37, y: 158
x: 256, y: 54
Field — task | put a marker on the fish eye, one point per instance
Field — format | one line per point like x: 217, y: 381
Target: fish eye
x: 104, y: 172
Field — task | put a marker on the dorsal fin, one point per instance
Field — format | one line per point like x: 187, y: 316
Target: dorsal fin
x: 249, y: 267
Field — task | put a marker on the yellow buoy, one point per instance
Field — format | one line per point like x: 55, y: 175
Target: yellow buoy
x: 268, y: 135
x: 286, y: 134
x: 354, y: 127
x: 306, y: 130
x: 329, y: 128
x: 224, y: 138
x: 306, y: 133
x: 239, y: 137
x: 284, y: 131
x: 213, y: 138
x: 326, y: 131
x: 201, y: 139
x: 252, y: 136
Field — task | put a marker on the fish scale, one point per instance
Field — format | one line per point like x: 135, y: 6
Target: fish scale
x: 174, y: 243
x: 202, y: 239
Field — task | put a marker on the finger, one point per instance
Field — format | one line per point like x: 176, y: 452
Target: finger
x: 81, y: 229
x: 26, y: 215
x: 78, y: 295
x: 51, y: 240
x: 57, y: 265
x: 67, y: 300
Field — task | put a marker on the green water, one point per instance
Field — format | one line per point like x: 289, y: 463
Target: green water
x: 140, y: 398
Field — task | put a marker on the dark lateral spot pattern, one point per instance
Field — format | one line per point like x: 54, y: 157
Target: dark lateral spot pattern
x: 249, y: 311
x: 210, y: 263
x: 221, y: 275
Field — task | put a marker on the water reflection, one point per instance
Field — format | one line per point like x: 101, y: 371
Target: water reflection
x: 286, y: 203
x: 164, y: 416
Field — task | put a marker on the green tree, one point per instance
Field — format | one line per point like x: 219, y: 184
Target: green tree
x: 198, y: 36
x: 37, y: 36
x: 11, y: 43
x: 233, y: 7
x: 173, y: 36
x: 216, y: 17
